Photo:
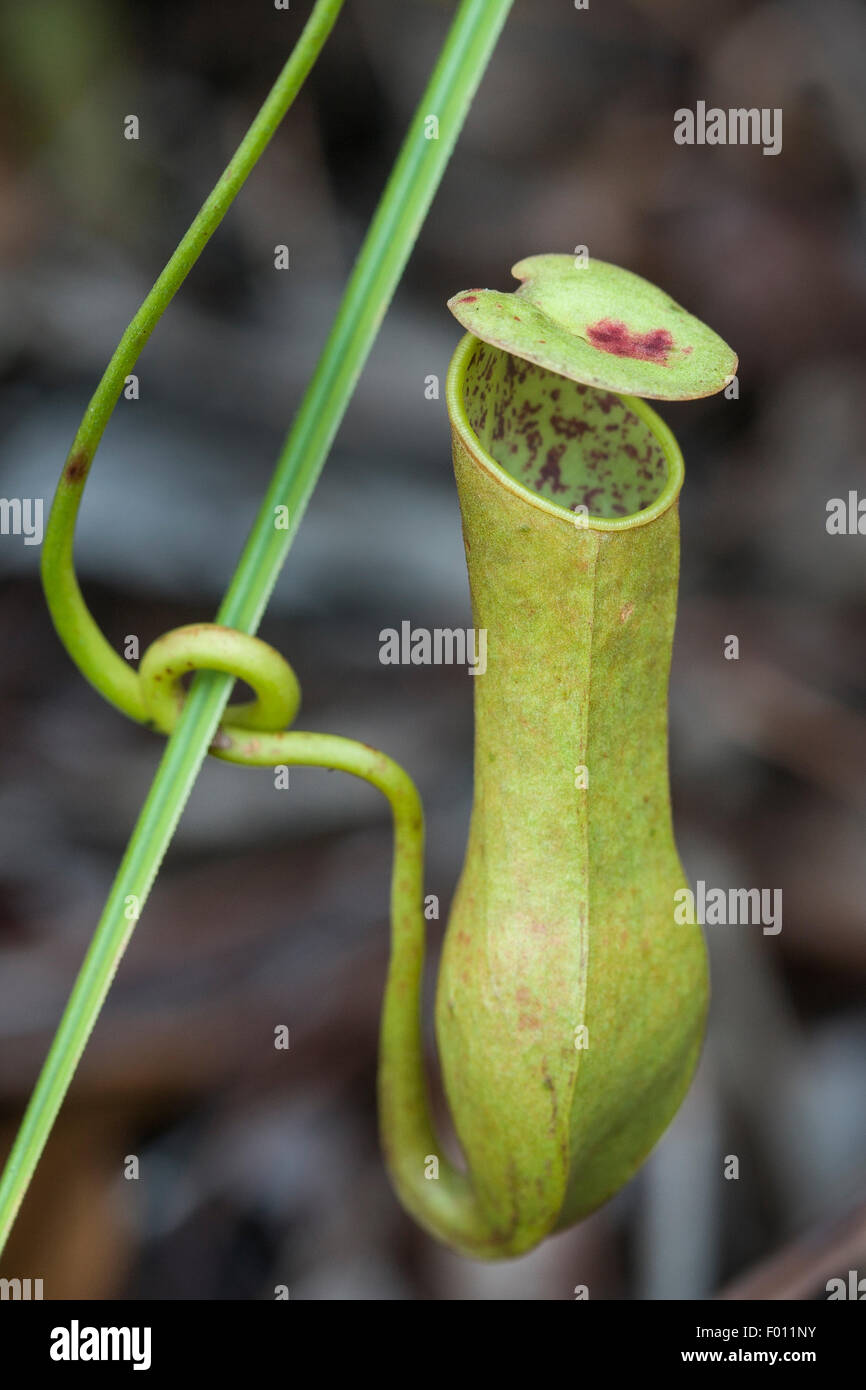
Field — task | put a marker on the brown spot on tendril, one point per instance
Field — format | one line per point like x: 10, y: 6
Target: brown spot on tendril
x: 76, y: 468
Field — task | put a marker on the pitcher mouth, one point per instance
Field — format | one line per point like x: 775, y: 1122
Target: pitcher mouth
x: 580, y: 453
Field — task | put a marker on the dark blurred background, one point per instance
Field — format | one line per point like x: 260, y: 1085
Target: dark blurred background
x: 261, y: 1167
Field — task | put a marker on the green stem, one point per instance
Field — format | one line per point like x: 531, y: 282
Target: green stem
x: 386, y: 249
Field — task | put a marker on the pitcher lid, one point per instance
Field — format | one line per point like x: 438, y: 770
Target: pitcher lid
x: 600, y: 325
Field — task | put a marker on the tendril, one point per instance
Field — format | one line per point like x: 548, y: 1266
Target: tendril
x: 253, y: 733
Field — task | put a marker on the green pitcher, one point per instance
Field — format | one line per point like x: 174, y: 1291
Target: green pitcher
x: 570, y: 1006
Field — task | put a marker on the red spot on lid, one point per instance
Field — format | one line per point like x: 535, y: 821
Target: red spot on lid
x: 611, y: 335
x: 468, y: 299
